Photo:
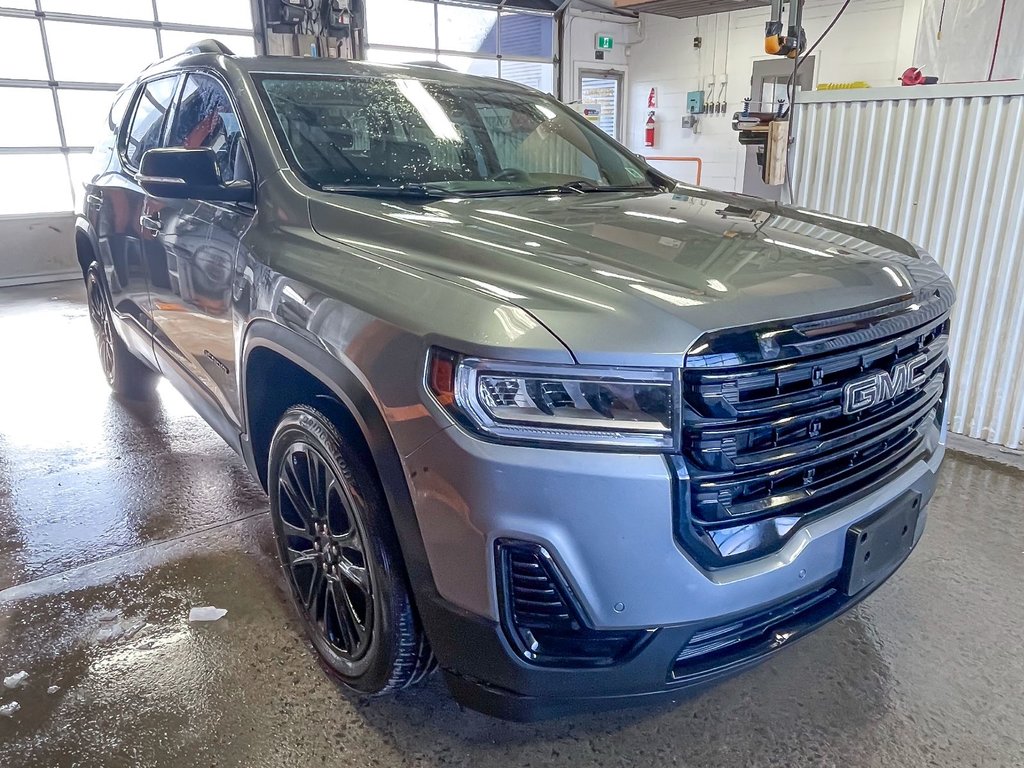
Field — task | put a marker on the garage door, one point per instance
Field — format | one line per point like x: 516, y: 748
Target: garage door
x: 60, y: 62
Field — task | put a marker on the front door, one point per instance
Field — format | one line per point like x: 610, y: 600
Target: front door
x: 114, y: 204
x: 769, y: 83
x: 192, y: 288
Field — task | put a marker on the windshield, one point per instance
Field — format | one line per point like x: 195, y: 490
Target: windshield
x: 357, y: 133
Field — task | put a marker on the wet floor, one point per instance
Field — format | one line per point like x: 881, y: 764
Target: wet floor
x: 116, y: 520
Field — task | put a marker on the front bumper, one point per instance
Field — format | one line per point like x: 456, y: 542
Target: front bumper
x: 483, y: 672
x: 608, y: 521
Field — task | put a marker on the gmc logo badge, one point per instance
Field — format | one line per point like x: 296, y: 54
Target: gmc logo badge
x: 883, y: 386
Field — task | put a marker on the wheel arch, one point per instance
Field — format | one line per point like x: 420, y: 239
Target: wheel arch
x: 267, y: 343
x: 86, y: 250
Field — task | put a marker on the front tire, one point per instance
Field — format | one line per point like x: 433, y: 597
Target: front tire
x: 340, y: 556
x: 125, y: 373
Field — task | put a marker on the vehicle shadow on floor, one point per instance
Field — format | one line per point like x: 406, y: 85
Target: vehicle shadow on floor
x: 826, y: 693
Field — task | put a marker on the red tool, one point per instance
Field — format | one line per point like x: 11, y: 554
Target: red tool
x: 915, y: 76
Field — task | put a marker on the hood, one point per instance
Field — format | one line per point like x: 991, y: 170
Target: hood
x: 622, y: 278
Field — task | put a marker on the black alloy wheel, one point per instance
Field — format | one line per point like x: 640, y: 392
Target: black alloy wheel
x: 126, y: 374
x: 324, y: 551
x: 340, y: 555
x: 99, y: 316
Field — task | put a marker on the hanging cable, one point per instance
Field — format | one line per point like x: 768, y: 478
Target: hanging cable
x: 791, y: 91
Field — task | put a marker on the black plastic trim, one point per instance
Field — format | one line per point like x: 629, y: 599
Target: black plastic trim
x: 576, y: 626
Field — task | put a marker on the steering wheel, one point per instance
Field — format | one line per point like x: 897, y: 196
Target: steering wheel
x: 510, y: 174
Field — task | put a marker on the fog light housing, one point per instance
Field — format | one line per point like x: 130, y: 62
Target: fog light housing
x: 543, y: 619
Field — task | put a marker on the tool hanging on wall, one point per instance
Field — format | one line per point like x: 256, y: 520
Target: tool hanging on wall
x: 794, y: 41
x: 317, y: 28
x: 768, y: 131
x: 649, y: 130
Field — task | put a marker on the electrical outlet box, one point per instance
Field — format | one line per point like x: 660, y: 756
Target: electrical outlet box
x: 695, y: 102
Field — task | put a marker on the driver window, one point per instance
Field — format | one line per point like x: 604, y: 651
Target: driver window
x: 206, y: 118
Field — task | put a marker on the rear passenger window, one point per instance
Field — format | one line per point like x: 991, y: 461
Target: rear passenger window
x: 148, y: 120
x: 206, y: 118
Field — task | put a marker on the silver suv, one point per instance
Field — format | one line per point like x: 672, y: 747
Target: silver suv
x: 525, y: 408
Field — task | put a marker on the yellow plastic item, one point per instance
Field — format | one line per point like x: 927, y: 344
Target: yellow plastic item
x: 843, y: 86
x: 772, y: 45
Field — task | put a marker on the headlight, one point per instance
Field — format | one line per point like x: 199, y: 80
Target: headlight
x: 556, y: 404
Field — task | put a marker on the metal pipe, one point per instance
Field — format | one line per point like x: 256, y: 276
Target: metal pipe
x: 680, y: 159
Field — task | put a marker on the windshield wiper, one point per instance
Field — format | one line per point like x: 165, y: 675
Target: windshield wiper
x: 428, y: 191
x: 580, y: 187
x: 415, y: 191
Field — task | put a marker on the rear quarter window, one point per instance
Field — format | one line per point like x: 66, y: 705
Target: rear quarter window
x: 118, y: 108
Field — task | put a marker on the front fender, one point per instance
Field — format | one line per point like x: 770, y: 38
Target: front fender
x: 354, y: 394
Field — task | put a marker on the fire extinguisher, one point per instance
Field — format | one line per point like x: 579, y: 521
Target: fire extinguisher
x: 649, y: 130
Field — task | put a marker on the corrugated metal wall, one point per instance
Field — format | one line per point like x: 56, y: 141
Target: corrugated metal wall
x: 948, y: 174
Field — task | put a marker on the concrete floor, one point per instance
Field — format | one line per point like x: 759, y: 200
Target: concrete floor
x: 116, y: 519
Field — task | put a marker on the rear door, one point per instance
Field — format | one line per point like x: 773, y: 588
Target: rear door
x: 114, y: 201
x: 193, y: 284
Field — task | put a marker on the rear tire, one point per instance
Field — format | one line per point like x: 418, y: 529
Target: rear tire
x: 125, y: 373
x: 341, y: 558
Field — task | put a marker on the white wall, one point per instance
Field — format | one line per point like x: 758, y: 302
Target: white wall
x: 972, y: 40
x: 873, y: 41
x: 37, y: 249
x: 581, y: 30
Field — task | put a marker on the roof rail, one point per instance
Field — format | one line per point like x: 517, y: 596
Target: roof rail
x: 209, y: 46
x: 431, y: 63
x: 203, y: 46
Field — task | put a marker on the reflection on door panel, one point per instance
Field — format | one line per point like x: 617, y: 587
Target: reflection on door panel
x: 119, y: 203
x: 193, y: 286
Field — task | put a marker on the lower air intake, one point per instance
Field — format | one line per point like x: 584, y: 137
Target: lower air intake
x: 543, y: 618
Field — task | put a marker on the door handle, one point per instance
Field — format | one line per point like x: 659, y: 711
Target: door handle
x: 95, y: 201
x: 150, y: 223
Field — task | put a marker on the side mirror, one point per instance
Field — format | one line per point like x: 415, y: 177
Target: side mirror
x: 176, y: 172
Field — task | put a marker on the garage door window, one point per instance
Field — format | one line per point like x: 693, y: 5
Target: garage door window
x: 62, y: 62
x: 479, y: 39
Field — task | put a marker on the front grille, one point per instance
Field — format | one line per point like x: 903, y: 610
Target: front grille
x: 766, y: 442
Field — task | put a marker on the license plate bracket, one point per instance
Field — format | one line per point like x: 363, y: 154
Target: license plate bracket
x: 877, y: 544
